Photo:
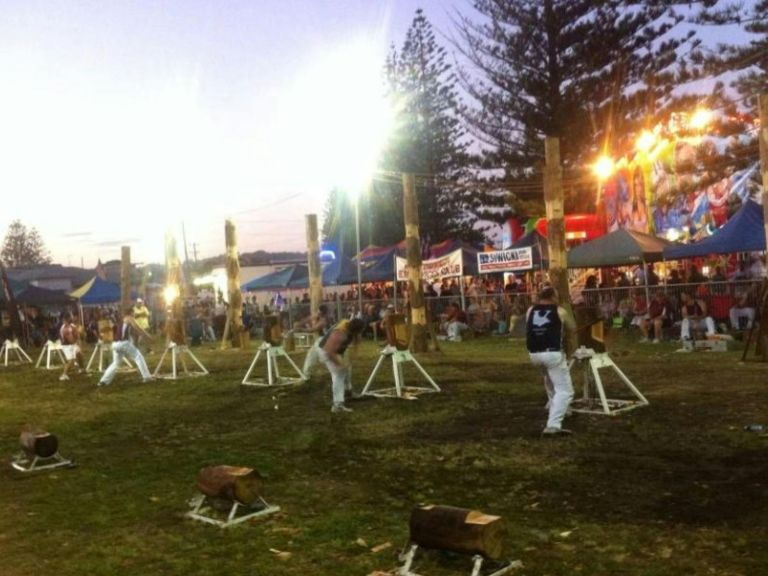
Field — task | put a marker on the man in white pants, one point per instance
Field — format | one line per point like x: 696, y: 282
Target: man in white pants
x: 549, y: 333
x: 331, y: 352
x: 318, y: 325
x: 124, y: 346
x: 694, y: 316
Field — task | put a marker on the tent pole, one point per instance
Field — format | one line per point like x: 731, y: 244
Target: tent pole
x: 647, y: 291
x: 394, y: 259
x: 461, y: 287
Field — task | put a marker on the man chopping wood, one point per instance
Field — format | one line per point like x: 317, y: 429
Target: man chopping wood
x: 331, y: 351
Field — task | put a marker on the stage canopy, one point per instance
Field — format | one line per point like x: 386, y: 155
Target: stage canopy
x: 619, y: 248
x: 97, y: 291
x: 743, y: 232
x: 338, y: 272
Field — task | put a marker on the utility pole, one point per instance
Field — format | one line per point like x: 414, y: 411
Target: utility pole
x: 413, y: 255
x: 313, y: 264
x: 762, y: 104
x: 553, y: 199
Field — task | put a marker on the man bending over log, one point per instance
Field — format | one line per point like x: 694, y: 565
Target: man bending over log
x: 124, y: 346
x: 331, y: 351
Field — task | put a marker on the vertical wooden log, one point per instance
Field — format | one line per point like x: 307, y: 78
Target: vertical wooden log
x: 413, y: 255
x: 174, y: 321
x: 553, y: 200
x: 762, y: 103
x: 313, y: 264
x: 125, y: 277
x: 235, y: 311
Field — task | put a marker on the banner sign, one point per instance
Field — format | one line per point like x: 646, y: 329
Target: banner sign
x: 505, y: 260
x: 435, y: 269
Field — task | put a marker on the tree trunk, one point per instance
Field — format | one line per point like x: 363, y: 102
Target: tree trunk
x: 243, y: 485
x: 240, y: 336
x: 313, y: 265
x: 457, y: 530
x: 413, y: 255
x: 39, y: 443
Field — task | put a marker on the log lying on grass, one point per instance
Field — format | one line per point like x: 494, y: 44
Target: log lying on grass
x: 457, y: 530
x: 234, y: 483
x: 39, y: 443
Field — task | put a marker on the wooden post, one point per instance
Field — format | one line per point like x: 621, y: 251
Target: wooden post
x: 457, y: 530
x: 762, y: 104
x: 237, y: 483
x: 125, y: 278
x: 174, y: 320
x: 313, y: 264
x: 413, y: 255
x: 235, y: 311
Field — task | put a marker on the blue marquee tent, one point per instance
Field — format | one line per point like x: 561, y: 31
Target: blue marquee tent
x: 338, y: 272
x: 97, y: 291
x: 744, y: 232
x: 539, y: 248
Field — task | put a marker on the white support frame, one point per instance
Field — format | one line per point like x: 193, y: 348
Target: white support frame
x: 179, y: 352
x: 50, y: 352
x: 273, y: 370
x: 304, y: 340
x: 401, y: 390
x: 592, y: 362
x: 23, y: 464
x: 100, y: 349
x: 201, y: 512
x: 477, y: 564
x: 13, y: 345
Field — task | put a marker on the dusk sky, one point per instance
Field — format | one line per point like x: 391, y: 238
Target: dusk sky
x: 122, y: 119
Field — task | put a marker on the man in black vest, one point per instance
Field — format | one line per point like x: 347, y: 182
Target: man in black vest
x: 124, y: 347
x: 550, y: 330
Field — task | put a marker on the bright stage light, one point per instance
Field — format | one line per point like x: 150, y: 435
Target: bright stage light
x: 604, y: 167
x: 673, y: 234
x: 170, y: 293
x: 646, y: 141
x: 330, y: 128
x: 700, y: 119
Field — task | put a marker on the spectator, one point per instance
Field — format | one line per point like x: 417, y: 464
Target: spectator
x: 695, y: 316
x: 656, y: 317
x: 742, y: 315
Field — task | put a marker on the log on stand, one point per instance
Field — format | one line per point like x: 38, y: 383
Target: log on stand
x: 458, y: 530
x: 38, y: 443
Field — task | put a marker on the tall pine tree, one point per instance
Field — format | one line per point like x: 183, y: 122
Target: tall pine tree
x: 429, y: 138
x: 591, y: 72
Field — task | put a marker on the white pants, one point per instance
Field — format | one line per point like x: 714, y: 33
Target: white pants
x: 120, y: 350
x: 313, y: 357
x: 737, y: 313
x: 706, y: 323
x: 557, y: 382
x: 454, y: 331
x: 341, y: 377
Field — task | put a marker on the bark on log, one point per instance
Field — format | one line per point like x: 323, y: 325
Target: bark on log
x: 39, y: 443
x: 458, y: 530
x: 243, y: 485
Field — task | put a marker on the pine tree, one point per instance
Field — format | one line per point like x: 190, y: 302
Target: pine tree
x: 429, y: 140
x: 591, y: 72
x: 23, y: 246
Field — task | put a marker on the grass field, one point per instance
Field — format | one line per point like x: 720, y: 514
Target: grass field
x: 674, y: 488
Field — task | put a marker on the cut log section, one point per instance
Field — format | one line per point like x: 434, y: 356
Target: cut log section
x: 458, y: 530
x: 234, y: 483
x: 39, y: 443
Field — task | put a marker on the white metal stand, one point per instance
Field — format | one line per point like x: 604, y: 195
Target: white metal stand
x: 105, y: 348
x: 273, y: 371
x: 201, y: 510
x: 50, y: 352
x: 477, y: 564
x: 178, y: 353
x: 14, y: 346
x: 23, y: 464
x: 592, y: 362
x: 304, y: 339
x: 399, y: 357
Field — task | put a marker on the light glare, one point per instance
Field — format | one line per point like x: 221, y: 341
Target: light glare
x: 604, y: 167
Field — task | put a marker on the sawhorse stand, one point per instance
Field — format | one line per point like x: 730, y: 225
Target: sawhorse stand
x: 408, y: 558
x: 399, y: 357
x: 592, y: 362
x: 50, y: 352
x: 14, y: 346
x: 179, y: 353
x: 273, y: 371
x: 100, y: 349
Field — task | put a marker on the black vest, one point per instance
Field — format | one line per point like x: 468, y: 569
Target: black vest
x: 126, y: 332
x: 544, y: 330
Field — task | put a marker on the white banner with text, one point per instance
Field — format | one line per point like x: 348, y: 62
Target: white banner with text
x: 434, y: 269
x: 513, y: 260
